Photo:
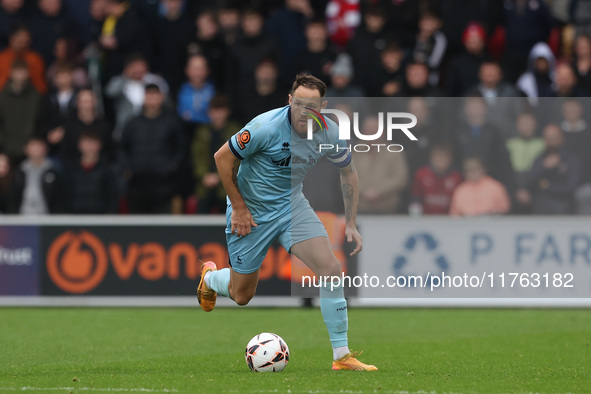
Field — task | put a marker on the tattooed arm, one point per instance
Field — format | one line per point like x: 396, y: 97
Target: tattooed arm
x: 350, y: 187
x: 242, y: 220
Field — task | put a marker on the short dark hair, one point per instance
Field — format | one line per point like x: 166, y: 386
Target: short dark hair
x: 430, y: 13
x: 317, y: 21
x: 375, y: 10
x: 64, y: 67
x: 310, y: 82
x: 442, y: 147
x: 17, y: 28
x: 219, y: 101
x: 91, y: 134
x: 135, y: 57
x: 152, y: 87
x: 417, y: 63
x: 37, y: 137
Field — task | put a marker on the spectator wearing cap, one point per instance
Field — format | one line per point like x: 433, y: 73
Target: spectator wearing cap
x: 555, y: 175
x: 341, y: 77
x: 19, y: 47
x: 211, y: 196
x: 538, y: 80
x: 127, y: 91
x: 151, y: 149
x: 430, y: 44
x: 20, y: 106
x: 11, y: 13
x: 527, y: 22
x: 92, y: 183
x: 463, y: 70
x: 479, y: 194
x: 458, y: 14
x: 121, y: 34
x: 170, y: 33
x: 319, y: 55
x: 49, y: 22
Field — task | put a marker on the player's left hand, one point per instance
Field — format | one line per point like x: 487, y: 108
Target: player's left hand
x: 353, y: 236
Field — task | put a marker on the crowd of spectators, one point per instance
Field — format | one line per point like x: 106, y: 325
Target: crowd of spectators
x: 116, y: 106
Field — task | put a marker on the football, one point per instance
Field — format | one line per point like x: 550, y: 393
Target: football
x: 267, y: 352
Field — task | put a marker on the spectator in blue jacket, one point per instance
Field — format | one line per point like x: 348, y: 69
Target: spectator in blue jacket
x: 196, y: 93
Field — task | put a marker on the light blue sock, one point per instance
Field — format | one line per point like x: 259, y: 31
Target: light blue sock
x: 334, y: 312
x: 218, y: 281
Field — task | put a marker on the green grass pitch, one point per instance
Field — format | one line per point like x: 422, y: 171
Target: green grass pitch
x: 186, y: 350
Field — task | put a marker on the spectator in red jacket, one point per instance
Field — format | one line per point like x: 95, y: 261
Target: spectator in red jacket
x: 434, y: 184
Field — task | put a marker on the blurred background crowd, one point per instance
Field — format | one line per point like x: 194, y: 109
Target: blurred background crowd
x: 117, y: 106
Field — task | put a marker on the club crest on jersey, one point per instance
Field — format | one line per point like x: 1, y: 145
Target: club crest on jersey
x: 285, y: 146
x: 242, y: 139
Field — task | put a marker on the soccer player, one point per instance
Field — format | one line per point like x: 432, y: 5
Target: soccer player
x: 266, y: 204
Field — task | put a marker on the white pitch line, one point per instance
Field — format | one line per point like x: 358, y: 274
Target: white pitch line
x: 113, y: 389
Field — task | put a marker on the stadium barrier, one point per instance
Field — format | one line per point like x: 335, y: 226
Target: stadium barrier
x: 155, y: 260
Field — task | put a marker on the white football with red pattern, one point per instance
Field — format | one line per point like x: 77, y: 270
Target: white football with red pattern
x: 267, y: 352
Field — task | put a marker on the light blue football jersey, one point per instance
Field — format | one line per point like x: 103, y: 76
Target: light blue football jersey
x: 275, y: 160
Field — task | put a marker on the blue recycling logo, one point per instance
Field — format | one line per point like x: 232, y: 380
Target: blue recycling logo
x: 416, y: 242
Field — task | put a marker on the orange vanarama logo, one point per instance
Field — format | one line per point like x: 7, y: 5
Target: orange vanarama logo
x: 77, y: 263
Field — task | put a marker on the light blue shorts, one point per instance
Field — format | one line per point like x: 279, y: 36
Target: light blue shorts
x: 248, y: 252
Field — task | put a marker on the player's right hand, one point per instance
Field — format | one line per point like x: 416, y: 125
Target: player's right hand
x: 241, y: 221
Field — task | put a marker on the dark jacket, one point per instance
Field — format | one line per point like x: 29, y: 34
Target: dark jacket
x: 67, y: 149
x: 364, y: 49
x: 53, y: 115
x: 153, y: 146
x: 462, y: 73
x: 490, y: 148
x: 244, y: 56
x: 287, y: 27
x: 128, y: 33
x: 169, y: 45
x: 92, y: 191
x: 553, y: 189
x: 52, y: 187
x: 46, y: 30
x: 19, y: 118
